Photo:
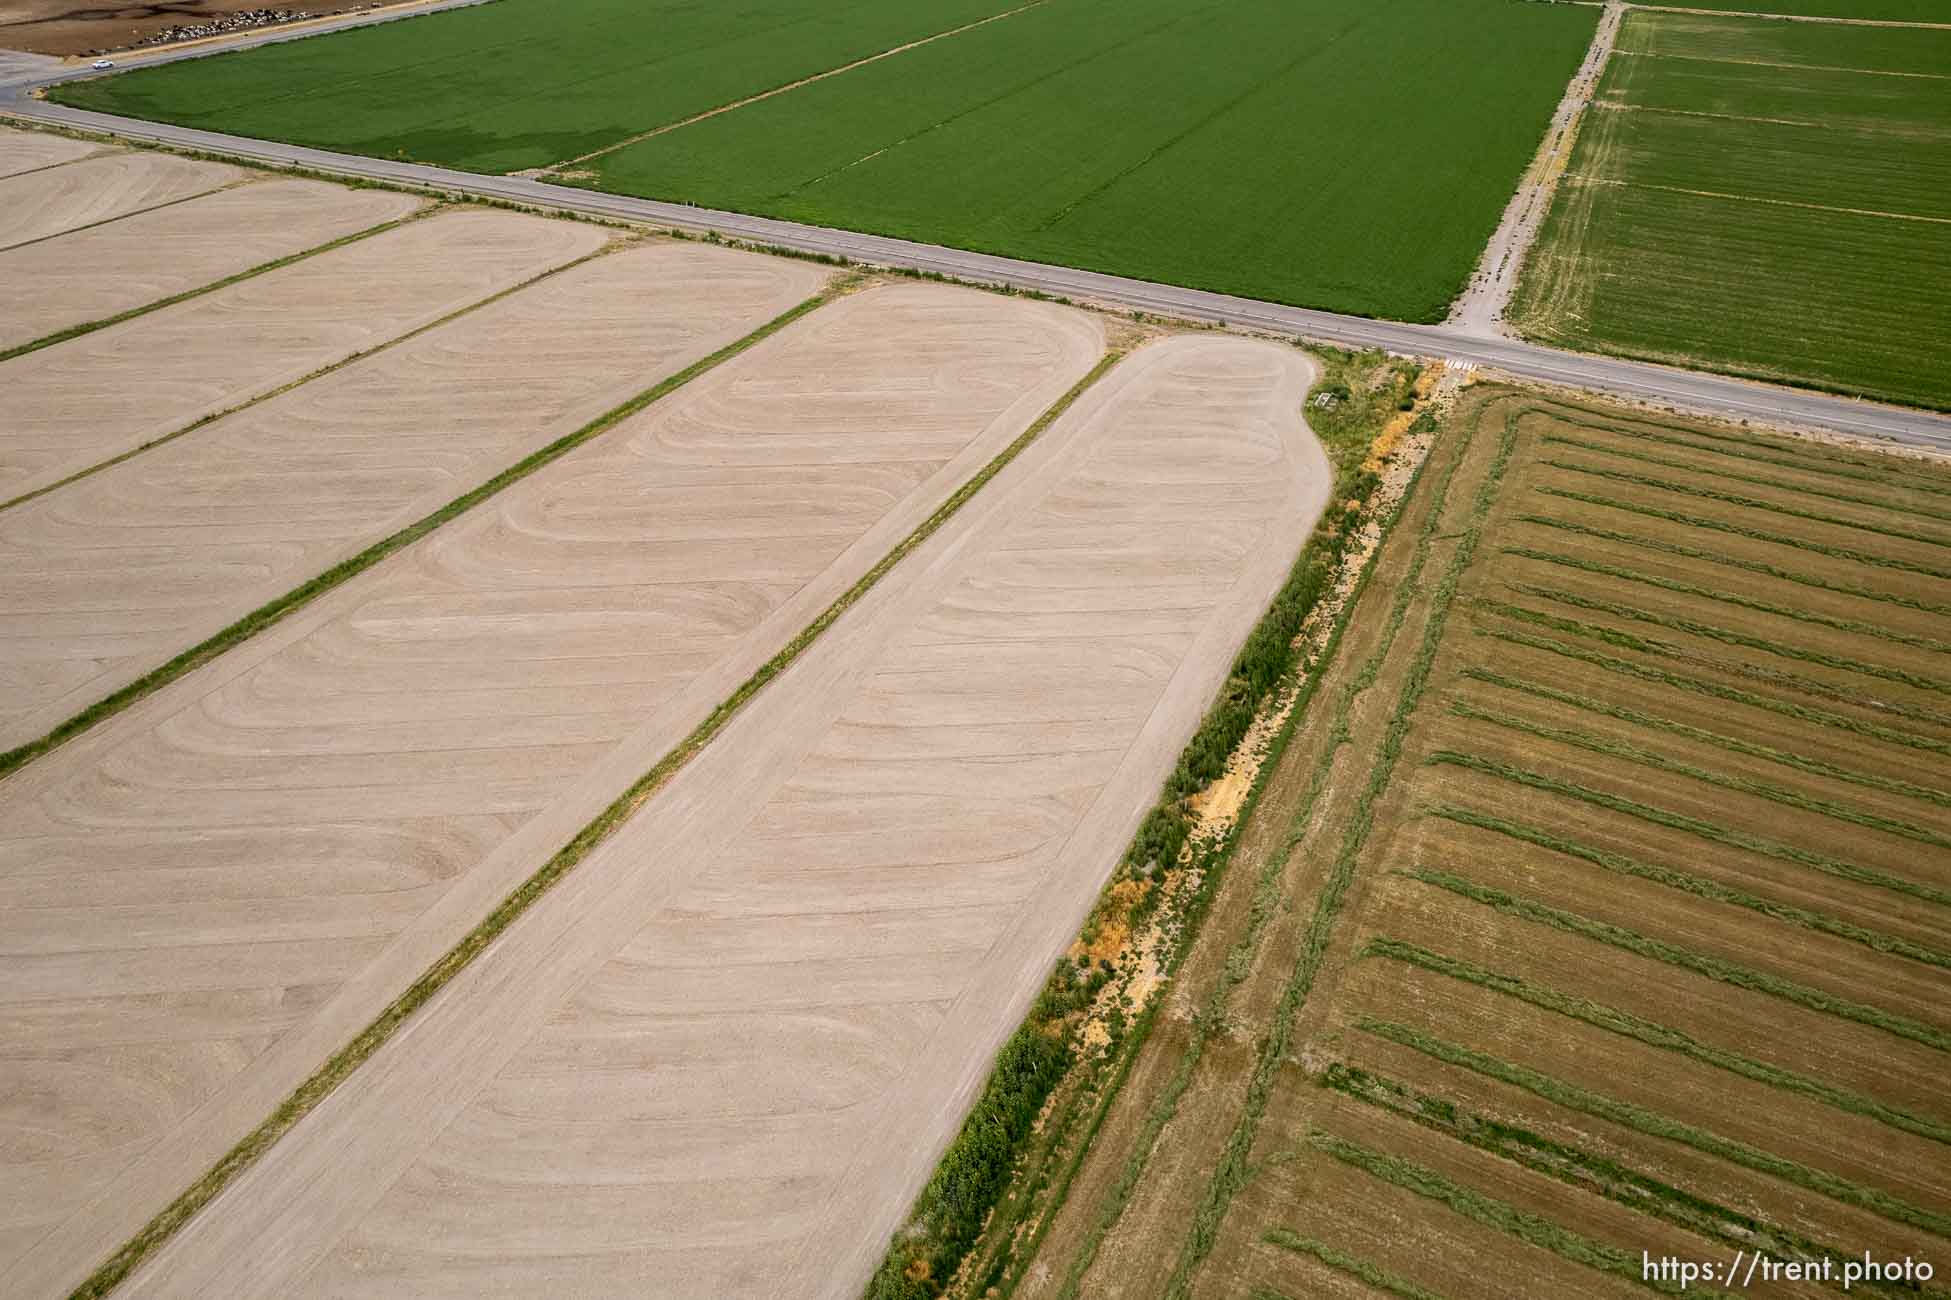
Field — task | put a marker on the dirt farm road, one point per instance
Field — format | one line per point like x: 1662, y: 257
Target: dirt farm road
x: 21, y: 75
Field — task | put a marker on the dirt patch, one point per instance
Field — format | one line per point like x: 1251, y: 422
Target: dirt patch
x: 66, y: 28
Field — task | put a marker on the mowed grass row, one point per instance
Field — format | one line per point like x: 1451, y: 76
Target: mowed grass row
x: 1582, y: 780
x: 1329, y: 153
x: 1763, y: 197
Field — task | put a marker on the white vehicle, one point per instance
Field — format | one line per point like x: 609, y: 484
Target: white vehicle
x: 102, y: 65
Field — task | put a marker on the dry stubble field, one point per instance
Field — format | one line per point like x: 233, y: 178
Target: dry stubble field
x: 213, y: 890
x: 1599, y: 908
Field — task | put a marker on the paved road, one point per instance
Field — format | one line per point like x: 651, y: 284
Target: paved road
x: 1736, y: 399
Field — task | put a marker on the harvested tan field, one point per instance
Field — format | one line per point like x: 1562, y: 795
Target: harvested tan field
x: 26, y: 151
x: 1605, y: 899
x: 90, y: 275
x: 79, y: 403
x: 720, y: 1057
x: 210, y: 893
x: 113, y: 574
x: 58, y: 199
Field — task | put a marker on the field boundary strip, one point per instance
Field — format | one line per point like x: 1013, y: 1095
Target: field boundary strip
x: 276, y: 610
x: 1234, y: 1168
x: 249, y: 273
x: 1266, y: 890
x: 375, y: 1035
x: 737, y: 104
x: 343, y: 362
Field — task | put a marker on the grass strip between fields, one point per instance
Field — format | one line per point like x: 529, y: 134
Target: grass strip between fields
x: 120, y: 216
x: 953, y: 1216
x: 1536, y: 1230
x: 1745, y: 502
x: 1699, y: 886
x: 275, y: 611
x: 249, y: 273
x: 1715, y: 739
x: 1779, y: 485
x: 1715, y: 690
x: 1722, y: 559
x: 1630, y: 753
x: 1804, y: 685
x: 1233, y: 1168
x: 1370, y: 1275
x: 1850, y: 626
x: 1752, y: 534
x: 1653, y: 1124
x: 1267, y: 895
x: 1709, y: 831
x: 1585, y: 1171
x: 369, y: 1040
x: 343, y: 362
x: 1653, y: 1034
x: 1728, y: 636
x: 1714, y: 968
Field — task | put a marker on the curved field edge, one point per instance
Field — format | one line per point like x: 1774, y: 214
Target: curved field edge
x: 1065, y: 1063
x: 277, y: 610
x: 337, y: 1068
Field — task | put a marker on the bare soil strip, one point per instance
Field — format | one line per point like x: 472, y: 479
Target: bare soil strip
x: 182, y: 365
x: 91, y: 275
x: 56, y: 200
x: 1756, y: 198
x: 29, y: 151
x: 1483, y: 303
x: 323, y: 812
x: 1711, y: 12
x: 721, y: 1056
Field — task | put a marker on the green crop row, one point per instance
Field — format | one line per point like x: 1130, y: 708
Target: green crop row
x: 1719, y: 691
x: 1724, y: 560
x: 1709, y: 831
x: 1728, y: 636
x: 1700, y: 887
x: 1804, y: 685
x: 1587, y: 1172
x: 1645, y: 458
x: 1663, y: 1037
x: 1746, y: 502
x: 1533, y: 1229
x: 1753, y: 534
x: 1853, y: 627
x: 1808, y: 457
x: 1653, y: 1124
x: 1733, y: 744
x: 1714, y: 968
x: 1370, y: 1275
x: 1631, y: 753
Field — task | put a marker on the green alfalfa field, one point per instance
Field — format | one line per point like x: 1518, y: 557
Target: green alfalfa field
x: 1328, y: 153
